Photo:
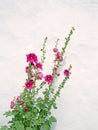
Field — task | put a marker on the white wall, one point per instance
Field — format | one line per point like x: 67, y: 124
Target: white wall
x: 23, y: 26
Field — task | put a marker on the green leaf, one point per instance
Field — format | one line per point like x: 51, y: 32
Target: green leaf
x: 52, y: 119
x: 20, y: 127
x: 35, y: 110
x: 8, y: 113
x: 28, y: 115
x: 35, y: 128
x: 3, y: 128
x: 45, y: 127
x: 9, y: 129
x: 17, y: 123
x: 41, y: 120
x: 28, y: 128
x: 54, y: 106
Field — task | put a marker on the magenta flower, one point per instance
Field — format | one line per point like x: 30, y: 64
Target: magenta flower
x: 58, y: 74
x: 55, y: 49
x: 49, y: 78
x: 26, y: 109
x: 29, y: 84
x: 31, y: 57
x: 59, y: 57
x: 26, y: 69
x: 18, y: 99
x: 39, y: 65
x: 39, y: 75
x: 32, y: 75
x: 12, y: 104
x: 66, y: 72
x: 58, y: 54
x: 55, y: 68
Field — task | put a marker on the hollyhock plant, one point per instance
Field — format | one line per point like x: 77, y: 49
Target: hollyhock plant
x: 32, y: 108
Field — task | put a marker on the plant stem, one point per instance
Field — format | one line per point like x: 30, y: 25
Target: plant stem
x: 59, y: 88
x: 67, y: 41
x: 43, y: 50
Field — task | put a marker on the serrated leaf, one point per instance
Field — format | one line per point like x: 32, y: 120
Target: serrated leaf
x: 45, y: 127
x: 52, y: 119
x: 20, y: 127
x: 8, y: 113
x: 17, y: 123
x: 41, y: 120
x: 54, y: 106
x: 3, y: 128
x: 35, y: 128
x: 28, y: 115
x: 28, y: 128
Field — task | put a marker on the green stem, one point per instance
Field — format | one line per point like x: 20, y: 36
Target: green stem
x: 67, y: 41
x: 38, y: 89
x: 43, y: 50
x: 59, y: 88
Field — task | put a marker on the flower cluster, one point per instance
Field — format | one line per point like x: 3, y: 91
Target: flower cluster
x: 32, y: 59
x: 31, y: 109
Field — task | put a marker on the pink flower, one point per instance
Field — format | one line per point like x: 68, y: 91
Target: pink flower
x: 39, y: 75
x: 58, y: 54
x: 49, y: 78
x: 34, y: 66
x: 18, y: 99
x: 55, y: 68
x: 29, y: 84
x: 55, y: 49
x: 26, y: 69
x: 39, y: 65
x: 12, y: 104
x: 32, y: 75
x: 58, y: 74
x: 26, y: 109
x: 31, y: 57
x: 59, y: 57
x: 66, y: 72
